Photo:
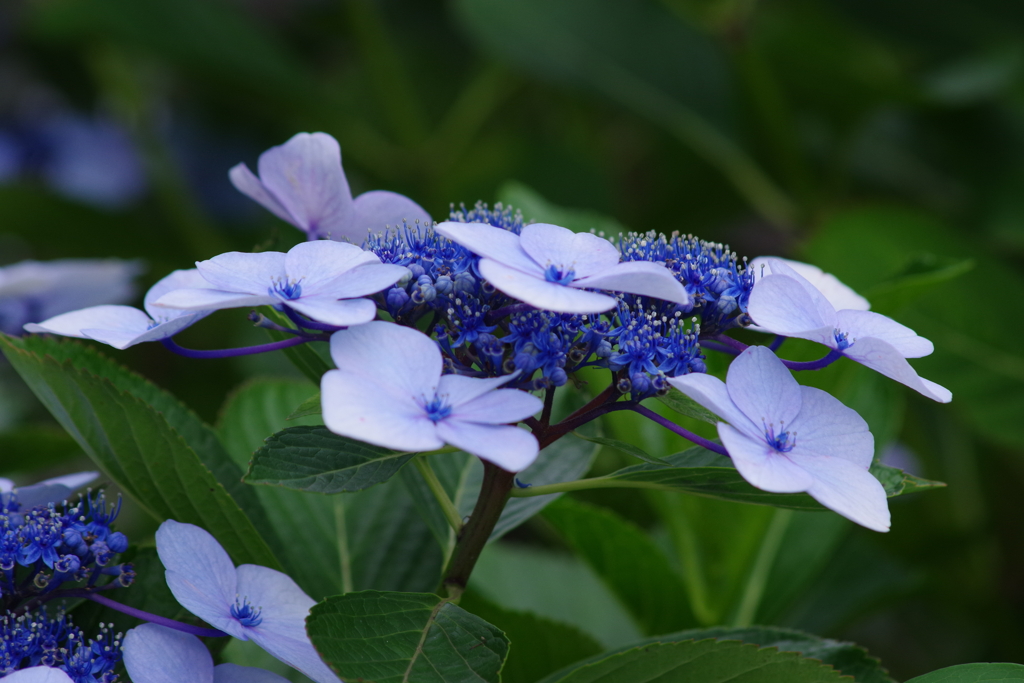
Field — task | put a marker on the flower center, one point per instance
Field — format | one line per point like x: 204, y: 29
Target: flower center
x: 246, y: 614
x: 558, y: 276
x: 783, y: 442
x: 437, y: 408
x: 288, y: 290
x: 842, y: 340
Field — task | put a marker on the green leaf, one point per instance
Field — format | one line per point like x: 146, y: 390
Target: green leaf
x: 918, y: 277
x: 705, y: 473
x: 539, y: 646
x: 628, y: 561
x: 311, y: 406
x: 681, y: 403
x: 537, y: 209
x: 398, y: 637
x: 315, y: 460
x: 627, y: 448
x: 705, y: 661
x: 974, y: 673
x: 369, y: 539
x: 143, y: 440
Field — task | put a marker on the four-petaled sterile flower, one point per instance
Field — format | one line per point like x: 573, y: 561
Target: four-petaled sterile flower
x: 388, y: 390
x: 550, y: 267
x: 787, y: 438
x: 832, y: 288
x: 249, y: 602
x: 786, y: 303
x: 322, y: 280
x: 302, y: 182
x: 156, y: 654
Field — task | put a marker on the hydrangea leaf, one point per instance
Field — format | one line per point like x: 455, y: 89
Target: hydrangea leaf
x: 369, y: 539
x: 315, y: 460
x: 698, y: 661
x: 917, y: 278
x: 628, y: 561
x: 399, y: 637
x: 627, y: 448
x: 311, y: 406
x: 995, y: 672
x: 137, y: 433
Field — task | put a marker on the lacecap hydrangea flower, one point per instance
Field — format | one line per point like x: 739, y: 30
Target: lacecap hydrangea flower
x: 302, y: 182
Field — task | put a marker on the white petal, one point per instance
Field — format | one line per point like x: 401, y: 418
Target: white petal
x: 233, y: 673
x: 236, y: 271
x: 392, y: 355
x: 537, y: 292
x: 848, y: 489
x: 638, y: 277
x: 123, y: 339
x: 712, y: 393
x: 885, y: 359
x: 460, y: 389
x: 333, y: 312
x: 839, y: 295
x: 761, y: 465
x: 305, y: 176
x: 298, y: 654
x: 510, y: 448
x: 780, y: 304
x: 355, y: 407
x: 199, y: 572
x: 52, y: 490
x: 123, y: 320
x: 377, y: 209
x: 320, y: 262
x: 502, y: 406
x: 491, y: 242
x: 179, y: 279
x: 763, y: 388
x: 206, y: 300
x: 362, y: 280
x: 859, y: 324
x: 157, y: 654
x: 827, y: 427
x: 45, y: 674
x: 550, y: 244
x: 246, y: 182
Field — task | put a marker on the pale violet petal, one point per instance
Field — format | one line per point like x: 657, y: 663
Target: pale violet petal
x: 157, y: 654
x: 155, y: 333
x: 763, y: 388
x: 363, y: 280
x: 542, y: 294
x: 52, y: 490
x: 827, y: 427
x: 838, y: 294
x: 379, y: 208
x: 848, y: 489
x: 299, y: 654
x: 355, y: 407
x: 305, y: 177
x: 199, y: 572
x: 179, y: 279
x: 712, y: 393
x: 46, y: 674
x: 283, y: 608
x: 124, y: 320
x: 491, y: 242
x: 236, y: 271
x: 885, y: 359
x: 510, y: 448
x: 859, y: 324
x: 761, y: 465
x: 821, y: 302
x: 206, y: 300
x: 391, y: 355
x: 233, y: 673
x: 316, y: 264
x: 334, y: 312
x: 246, y: 182
x: 780, y: 304
x: 6, y: 485
x: 460, y: 389
x: 638, y: 277
x: 501, y: 406
x: 585, y: 254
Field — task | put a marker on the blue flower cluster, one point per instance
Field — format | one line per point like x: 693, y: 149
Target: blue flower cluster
x: 37, y: 639
x: 718, y: 282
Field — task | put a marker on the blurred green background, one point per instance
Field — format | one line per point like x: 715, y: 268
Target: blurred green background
x: 882, y: 141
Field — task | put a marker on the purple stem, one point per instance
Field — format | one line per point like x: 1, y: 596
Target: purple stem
x: 499, y: 313
x: 831, y: 357
x: 721, y: 348
x: 777, y: 342
x: 685, y: 433
x: 242, y: 351
x: 310, y: 324
x: 739, y: 346
x: 146, y: 616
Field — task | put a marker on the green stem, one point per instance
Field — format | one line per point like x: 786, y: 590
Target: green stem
x: 758, y: 577
x: 451, y: 513
x: 344, y: 558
